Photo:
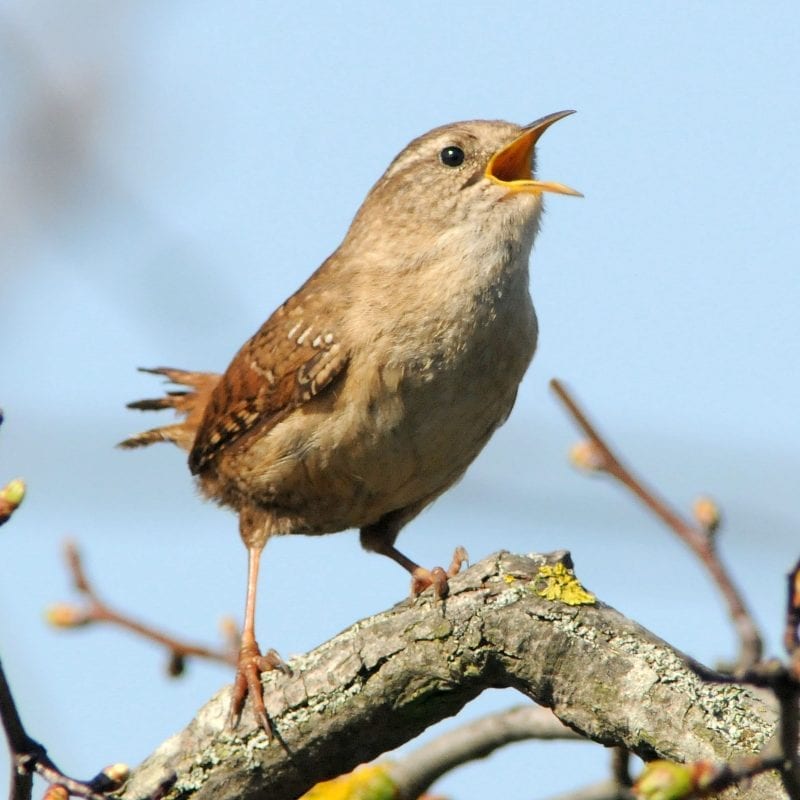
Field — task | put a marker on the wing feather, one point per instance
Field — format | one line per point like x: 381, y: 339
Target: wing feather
x: 291, y: 359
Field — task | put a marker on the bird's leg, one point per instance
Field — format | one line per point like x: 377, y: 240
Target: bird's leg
x: 379, y: 538
x: 251, y: 662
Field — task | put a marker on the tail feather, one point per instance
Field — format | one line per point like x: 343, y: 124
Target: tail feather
x: 168, y: 433
x: 190, y: 404
x: 158, y: 403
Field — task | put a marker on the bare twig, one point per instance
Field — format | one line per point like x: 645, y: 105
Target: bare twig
x: 788, y: 692
x: 621, y: 768
x: 18, y: 741
x: 699, y: 779
x: 737, y: 772
x: 28, y: 757
x: 97, y: 610
x: 608, y: 789
x: 415, y: 773
x: 697, y: 537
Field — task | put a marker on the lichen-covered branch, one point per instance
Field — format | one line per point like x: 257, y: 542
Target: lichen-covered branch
x: 505, y: 624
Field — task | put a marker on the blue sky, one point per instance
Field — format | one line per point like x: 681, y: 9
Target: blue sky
x: 171, y: 172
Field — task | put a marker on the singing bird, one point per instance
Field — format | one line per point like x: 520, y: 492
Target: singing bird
x: 370, y: 391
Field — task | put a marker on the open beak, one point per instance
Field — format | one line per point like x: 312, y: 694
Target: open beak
x: 511, y: 166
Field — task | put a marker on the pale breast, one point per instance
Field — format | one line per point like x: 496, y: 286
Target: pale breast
x: 447, y: 409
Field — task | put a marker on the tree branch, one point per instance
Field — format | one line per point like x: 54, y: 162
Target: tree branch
x: 385, y: 679
x: 415, y: 773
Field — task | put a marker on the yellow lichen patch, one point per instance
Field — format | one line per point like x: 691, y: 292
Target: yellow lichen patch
x: 370, y: 782
x: 556, y: 582
x: 509, y: 579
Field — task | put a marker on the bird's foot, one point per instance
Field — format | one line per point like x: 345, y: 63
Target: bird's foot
x: 248, y: 682
x: 437, y: 577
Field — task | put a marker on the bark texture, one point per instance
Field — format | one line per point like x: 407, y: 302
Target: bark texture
x: 388, y: 677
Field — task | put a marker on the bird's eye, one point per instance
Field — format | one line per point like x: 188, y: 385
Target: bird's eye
x: 452, y: 156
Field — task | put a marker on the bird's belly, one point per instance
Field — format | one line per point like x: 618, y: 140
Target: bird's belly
x: 331, y: 484
x: 387, y: 439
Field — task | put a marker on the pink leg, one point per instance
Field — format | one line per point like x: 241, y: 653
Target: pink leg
x: 251, y: 662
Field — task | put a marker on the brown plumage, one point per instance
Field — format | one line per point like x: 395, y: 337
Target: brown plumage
x: 370, y: 391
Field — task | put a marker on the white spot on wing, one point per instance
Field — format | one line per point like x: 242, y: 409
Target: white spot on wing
x: 301, y: 338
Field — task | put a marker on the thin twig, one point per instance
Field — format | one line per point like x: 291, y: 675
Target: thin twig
x: 787, y: 694
x: 741, y: 770
x: 607, y: 789
x: 97, y: 610
x: 415, y: 773
x: 695, y: 536
x: 699, y: 779
x: 18, y: 741
x: 621, y: 767
x: 29, y: 757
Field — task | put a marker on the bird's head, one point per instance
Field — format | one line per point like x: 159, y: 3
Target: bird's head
x: 478, y: 174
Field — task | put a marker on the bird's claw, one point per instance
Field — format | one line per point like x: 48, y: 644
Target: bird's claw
x: 460, y: 557
x: 248, y: 683
x: 271, y: 660
x: 422, y: 578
